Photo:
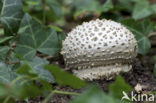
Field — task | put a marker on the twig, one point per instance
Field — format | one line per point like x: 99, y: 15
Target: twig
x: 16, y: 62
x: 44, y: 56
x: 48, y: 57
x: 44, y: 11
x: 9, y: 53
x: 152, y: 34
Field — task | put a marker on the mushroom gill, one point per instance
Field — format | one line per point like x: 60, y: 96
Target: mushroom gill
x: 99, y: 49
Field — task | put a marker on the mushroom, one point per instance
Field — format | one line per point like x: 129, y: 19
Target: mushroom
x: 99, y: 49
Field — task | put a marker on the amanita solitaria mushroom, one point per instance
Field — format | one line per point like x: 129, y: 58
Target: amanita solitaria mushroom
x: 99, y: 49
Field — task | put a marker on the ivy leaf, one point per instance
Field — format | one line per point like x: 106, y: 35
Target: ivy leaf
x: 33, y: 2
x: 4, y: 39
x: 1, y: 32
x: 118, y: 87
x: 94, y: 95
x: 20, y: 92
x: 86, y: 6
x: 25, y: 69
x: 91, y: 6
x: 124, y: 5
x: 55, y: 8
x: 6, y: 73
x: 107, y: 6
x: 142, y: 9
x: 32, y: 5
x: 37, y: 65
x: 11, y: 15
x: 1, y: 4
x: 141, y: 31
x: 56, y: 28
x: 13, y: 91
x: 64, y: 78
x: 32, y: 90
x: 35, y: 37
x: 154, y: 8
x: 3, y: 52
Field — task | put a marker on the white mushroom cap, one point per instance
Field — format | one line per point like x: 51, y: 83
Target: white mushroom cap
x: 99, y: 49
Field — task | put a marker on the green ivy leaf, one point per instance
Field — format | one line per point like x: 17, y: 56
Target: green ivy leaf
x: 55, y: 7
x: 107, y: 6
x: 3, y: 90
x: 3, y: 52
x: 34, y: 90
x: 95, y: 95
x: 117, y: 88
x: 30, y: 91
x: 12, y: 91
x: 125, y: 5
x: 4, y: 39
x: 20, y: 92
x: 142, y: 9
x: 56, y: 28
x: 26, y: 69
x: 154, y: 8
x: 91, y: 6
x: 35, y: 37
x: 33, y: 6
x: 6, y: 73
x: 37, y: 64
x: 155, y: 58
x: 64, y: 78
x: 1, y: 32
x: 1, y: 4
x: 141, y: 31
x: 11, y: 16
x: 32, y: 2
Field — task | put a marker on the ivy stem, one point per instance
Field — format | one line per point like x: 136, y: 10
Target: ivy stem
x: 9, y: 53
x: 44, y: 11
x: 17, y: 79
x: 58, y: 92
x: 12, y: 83
x: 65, y: 93
x: 6, y: 99
x: 48, y: 97
x: 23, y: 82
